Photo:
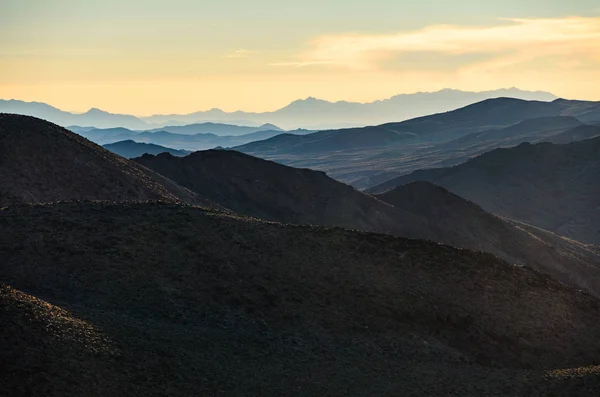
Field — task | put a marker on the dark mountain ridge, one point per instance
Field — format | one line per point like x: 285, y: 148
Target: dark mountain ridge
x: 42, y: 162
x: 551, y: 186
x: 267, y: 190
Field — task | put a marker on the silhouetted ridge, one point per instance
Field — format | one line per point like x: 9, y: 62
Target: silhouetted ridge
x: 268, y: 190
x: 43, y: 162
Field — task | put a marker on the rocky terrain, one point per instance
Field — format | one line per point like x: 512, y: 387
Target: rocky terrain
x: 42, y: 162
x: 163, y: 299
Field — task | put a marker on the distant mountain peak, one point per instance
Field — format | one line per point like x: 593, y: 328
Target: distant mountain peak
x: 310, y: 99
x: 269, y: 126
x: 96, y: 111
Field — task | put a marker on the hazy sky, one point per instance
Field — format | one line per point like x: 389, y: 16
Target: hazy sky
x: 179, y: 56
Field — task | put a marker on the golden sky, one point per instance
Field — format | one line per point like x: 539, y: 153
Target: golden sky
x: 147, y: 57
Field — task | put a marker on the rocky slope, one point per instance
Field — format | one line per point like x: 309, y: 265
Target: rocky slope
x: 42, y: 162
x: 160, y: 299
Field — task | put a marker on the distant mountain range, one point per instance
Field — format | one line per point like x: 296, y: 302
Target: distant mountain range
x: 310, y: 113
x: 365, y: 157
x: 217, y: 129
x: 316, y: 113
x: 186, y: 137
x: 93, y: 117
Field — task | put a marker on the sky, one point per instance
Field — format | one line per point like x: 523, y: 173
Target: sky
x: 148, y: 57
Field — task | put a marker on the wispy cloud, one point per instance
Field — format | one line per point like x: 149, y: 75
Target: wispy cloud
x: 241, y: 54
x: 301, y: 64
x: 509, y: 42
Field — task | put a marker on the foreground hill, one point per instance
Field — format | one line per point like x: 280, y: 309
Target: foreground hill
x: 554, y: 187
x: 156, y: 299
x: 130, y: 149
x: 267, y: 190
x: 42, y: 162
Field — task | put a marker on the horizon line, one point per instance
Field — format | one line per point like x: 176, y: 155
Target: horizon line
x: 289, y: 103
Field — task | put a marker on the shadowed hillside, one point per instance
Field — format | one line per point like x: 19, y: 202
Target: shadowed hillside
x: 42, y: 162
x: 456, y: 221
x: 554, y: 187
x: 532, y: 130
x: 267, y: 190
x: 263, y: 189
x: 579, y: 133
x: 158, y: 299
